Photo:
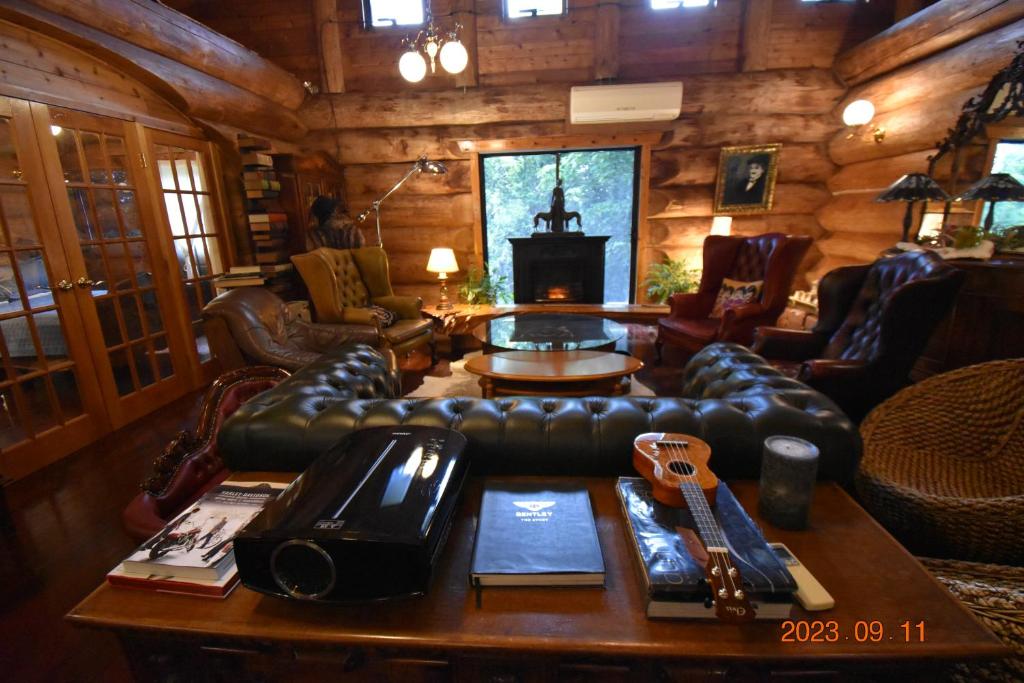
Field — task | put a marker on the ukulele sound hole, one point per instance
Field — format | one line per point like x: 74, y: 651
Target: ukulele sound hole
x: 682, y: 468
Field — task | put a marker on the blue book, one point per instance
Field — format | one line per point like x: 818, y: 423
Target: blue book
x: 536, y: 535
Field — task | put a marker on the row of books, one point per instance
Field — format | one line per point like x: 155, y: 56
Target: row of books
x: 193, y: 553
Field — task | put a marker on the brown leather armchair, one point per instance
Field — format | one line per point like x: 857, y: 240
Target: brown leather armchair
x: 874, y: 321
x: 772, y: 257
x: 343, y: 283
x: 253, y: 326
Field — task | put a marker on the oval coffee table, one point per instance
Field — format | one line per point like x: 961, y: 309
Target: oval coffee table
x: 554, y: 373
x: 548, y: 332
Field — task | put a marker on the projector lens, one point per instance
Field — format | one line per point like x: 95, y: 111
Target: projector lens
x: 303, y: 569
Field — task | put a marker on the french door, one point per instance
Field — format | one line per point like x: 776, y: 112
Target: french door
x: 50, y: 401
x: 92, y: 333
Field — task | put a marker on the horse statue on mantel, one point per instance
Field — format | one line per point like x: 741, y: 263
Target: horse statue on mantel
x: 557, y: 218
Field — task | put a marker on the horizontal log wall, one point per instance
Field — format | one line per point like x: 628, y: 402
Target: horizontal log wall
x: 524, y: 70
x: 433, y: 211
x: 916, y: 104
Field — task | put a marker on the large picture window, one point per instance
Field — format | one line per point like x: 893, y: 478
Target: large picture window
x: 1009, y: 158
x: 600, y: 184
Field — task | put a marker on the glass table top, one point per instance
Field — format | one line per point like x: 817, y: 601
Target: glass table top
x: 549, y: 332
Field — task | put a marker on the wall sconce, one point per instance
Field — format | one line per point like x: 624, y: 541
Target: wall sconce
x: 721, y: 225
x: 858, y: 114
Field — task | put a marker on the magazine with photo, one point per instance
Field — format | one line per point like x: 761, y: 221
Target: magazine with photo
x: 197, y: 543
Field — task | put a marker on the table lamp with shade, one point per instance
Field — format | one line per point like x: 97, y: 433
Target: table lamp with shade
x: 910, y: 188
x: 442, y: 262
x: 998, y: 187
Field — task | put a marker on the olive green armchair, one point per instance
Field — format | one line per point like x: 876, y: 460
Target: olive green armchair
x: 344, y: 283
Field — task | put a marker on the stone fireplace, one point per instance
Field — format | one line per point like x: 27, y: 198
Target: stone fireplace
x: 558, y: 268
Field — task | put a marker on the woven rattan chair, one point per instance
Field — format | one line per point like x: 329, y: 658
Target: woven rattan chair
x: 943, y: 465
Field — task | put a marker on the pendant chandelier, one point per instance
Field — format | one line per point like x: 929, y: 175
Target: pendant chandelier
x: 436, y: 46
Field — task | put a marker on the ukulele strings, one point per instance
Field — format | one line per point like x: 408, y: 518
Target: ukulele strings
x: 703, y: 515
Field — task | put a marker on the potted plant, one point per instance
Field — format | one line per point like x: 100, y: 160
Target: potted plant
x: 668, y: 278
x: 480, y: 287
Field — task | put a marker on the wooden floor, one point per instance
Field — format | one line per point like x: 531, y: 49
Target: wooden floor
x: 62, y: 533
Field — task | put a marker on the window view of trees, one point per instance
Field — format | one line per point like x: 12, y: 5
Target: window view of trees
x: 598, y: 184
x: 1009, y: 158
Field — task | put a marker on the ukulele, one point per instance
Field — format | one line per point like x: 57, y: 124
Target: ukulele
x: 676, y: 467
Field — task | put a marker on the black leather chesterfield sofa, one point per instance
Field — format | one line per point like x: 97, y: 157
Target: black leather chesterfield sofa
x: 729, y: 397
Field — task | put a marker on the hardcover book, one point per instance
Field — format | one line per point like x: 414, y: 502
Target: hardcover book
x: 674, y: 579
x: 215, y: 588
x: 197, y: 543
x: 536, y: 535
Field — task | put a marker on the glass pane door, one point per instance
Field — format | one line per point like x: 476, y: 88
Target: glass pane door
x: 110, y: 243
x: 49, y: 404
x: 185, y: 175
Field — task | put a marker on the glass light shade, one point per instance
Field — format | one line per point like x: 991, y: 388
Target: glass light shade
x: 454, y: 57
x: 412, y: 67
x: 721, y: 225
x: 431, y: 48
x: 858, y: 112
x: 442, y: 260
x: 56, y: 130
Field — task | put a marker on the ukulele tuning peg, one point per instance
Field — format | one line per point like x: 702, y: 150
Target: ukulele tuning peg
x: 723, y: 593
x: 738, y: 595
x: 733, y: 572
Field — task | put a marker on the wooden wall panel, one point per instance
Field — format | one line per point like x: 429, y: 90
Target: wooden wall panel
x: 524, y: 71
x: 917, y: 103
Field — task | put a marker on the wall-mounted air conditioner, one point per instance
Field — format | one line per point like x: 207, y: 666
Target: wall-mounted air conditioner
x: 625, y: 103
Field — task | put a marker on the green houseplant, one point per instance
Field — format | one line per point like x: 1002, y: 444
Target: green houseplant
x: 668, y: 278
x: 480, y: 287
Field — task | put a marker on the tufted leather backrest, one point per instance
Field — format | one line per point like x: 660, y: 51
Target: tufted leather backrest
x: 861, y: 335
x: 740, y: 400
x: 751, y: 261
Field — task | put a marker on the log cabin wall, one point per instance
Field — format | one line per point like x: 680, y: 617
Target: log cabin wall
x: 918, y: 74
x: 753, y: 72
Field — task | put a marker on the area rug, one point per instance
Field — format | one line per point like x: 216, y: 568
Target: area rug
x: 464, y: 383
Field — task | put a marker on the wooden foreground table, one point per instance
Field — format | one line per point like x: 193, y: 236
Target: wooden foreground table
x: 528, y: 634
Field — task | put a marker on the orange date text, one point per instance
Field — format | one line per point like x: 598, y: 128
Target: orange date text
x: 863, y: 631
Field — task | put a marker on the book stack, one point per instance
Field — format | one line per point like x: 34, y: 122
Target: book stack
x: 240, y: 276
x: 268, y: 224
x: 193, y: 554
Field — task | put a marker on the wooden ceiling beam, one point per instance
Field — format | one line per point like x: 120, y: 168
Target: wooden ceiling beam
x: 464, y: 12
x: 157, y: 28
x: 606, y: 40
x: 939, y: 27
x: 757, y: 30
x: 332, y: 67
x: 196, y: 93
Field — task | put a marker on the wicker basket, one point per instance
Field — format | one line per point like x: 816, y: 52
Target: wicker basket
x: 995, y: 594
x: 943, y: 465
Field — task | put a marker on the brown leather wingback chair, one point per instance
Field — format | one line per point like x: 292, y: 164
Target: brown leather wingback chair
x: 343, y: 283
x: 253, y: 326
x: 772, y: 257
x: 874, y: 321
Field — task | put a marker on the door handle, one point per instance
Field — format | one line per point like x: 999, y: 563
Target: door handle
x: 64, y: 285
x: 83, y: 282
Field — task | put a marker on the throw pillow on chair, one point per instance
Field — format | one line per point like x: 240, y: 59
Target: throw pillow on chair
x: 734, y: 293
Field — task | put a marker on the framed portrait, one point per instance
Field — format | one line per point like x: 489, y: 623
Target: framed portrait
x: 746, y: 179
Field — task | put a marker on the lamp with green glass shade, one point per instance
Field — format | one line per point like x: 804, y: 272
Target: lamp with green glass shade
x: 998, y: 187
x: 910, y: 188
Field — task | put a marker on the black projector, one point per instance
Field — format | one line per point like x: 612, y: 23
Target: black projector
x: 366, y: 521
